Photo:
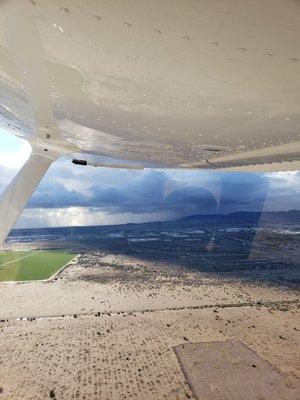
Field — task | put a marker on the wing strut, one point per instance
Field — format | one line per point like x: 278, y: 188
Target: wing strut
x: 19, y: 191
x: 47, y: 142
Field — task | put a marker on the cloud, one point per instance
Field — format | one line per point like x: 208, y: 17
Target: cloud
x: 13, y: 151
x: 78, y: 195
x: 245, y: 191
x: 84, y: 216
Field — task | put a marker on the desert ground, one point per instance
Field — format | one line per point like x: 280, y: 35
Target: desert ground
x: 106, y: 327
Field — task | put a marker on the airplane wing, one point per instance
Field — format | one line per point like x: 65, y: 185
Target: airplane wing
x: 133, y: 84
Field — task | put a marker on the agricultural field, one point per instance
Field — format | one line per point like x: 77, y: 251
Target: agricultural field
x: 32, y: 265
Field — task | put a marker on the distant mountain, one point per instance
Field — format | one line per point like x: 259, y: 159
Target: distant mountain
x: 238, y: 219
x: 288, y: 217
x: 291, y: 217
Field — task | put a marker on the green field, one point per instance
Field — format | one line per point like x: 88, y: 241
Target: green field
x: 31, y: 265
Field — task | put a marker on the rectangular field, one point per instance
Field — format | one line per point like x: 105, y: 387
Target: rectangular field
x: 230, y: 370
x: 32, y: 265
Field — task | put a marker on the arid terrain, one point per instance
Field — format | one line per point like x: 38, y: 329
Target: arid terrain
x: 107, y: 326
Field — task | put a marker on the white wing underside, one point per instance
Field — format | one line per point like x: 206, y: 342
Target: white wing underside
x: 134, y: 84
x: 169, y: 83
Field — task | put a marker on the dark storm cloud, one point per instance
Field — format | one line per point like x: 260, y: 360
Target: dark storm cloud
x: 163, y: 191
x: 136, y: 193
x: 243, y: 191
x: 148, y: 191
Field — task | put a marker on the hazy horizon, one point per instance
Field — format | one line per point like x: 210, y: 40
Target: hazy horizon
x: 150, y: 222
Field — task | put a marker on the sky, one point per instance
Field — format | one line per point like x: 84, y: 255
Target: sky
x: 71, y: 195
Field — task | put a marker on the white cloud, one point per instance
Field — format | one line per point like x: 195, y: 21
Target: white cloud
x: 284, y: 179
x: 84, y: 216
x: 83, y: 186
x: 14, y: 158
